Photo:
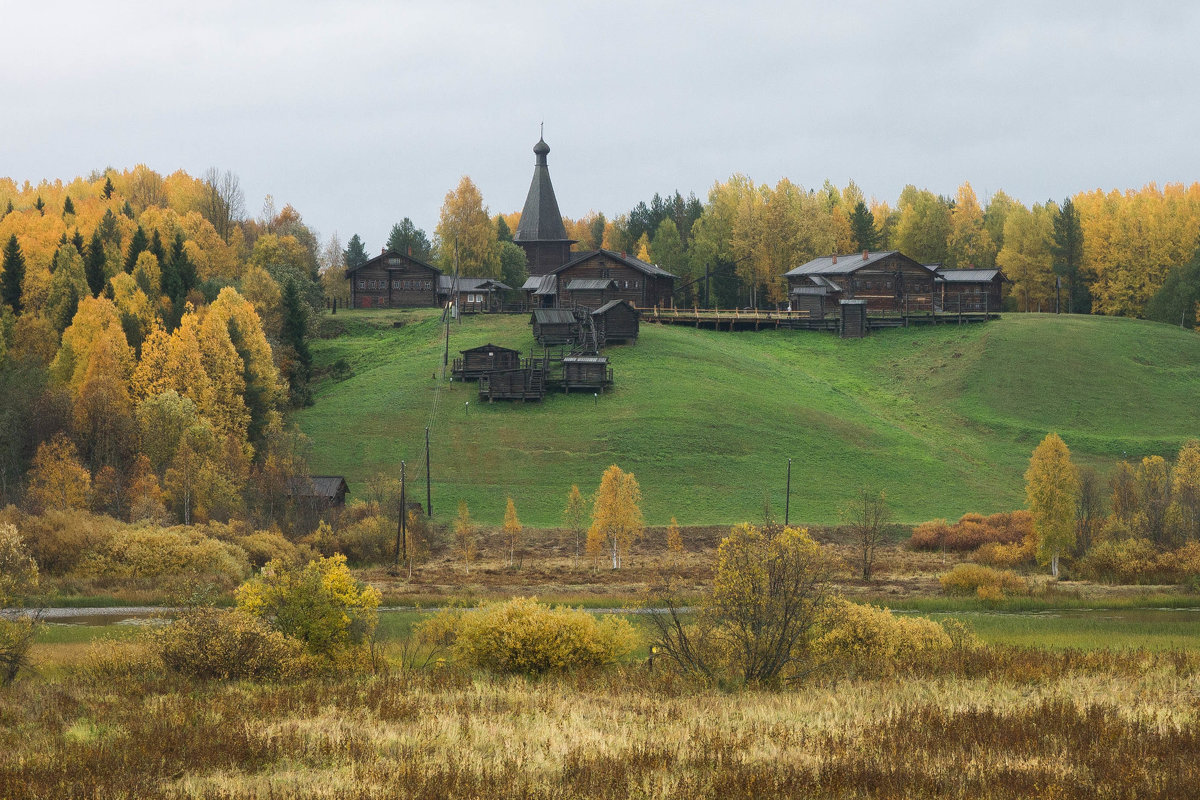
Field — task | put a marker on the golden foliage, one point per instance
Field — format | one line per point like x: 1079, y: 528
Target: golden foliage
x: 987, y: 583
x: 57, y: 481
x: 616, y: 514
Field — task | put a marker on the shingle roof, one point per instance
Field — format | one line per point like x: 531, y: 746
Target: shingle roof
x: 839, y: 265
x: 967, y: 275
x: 392, y: 254
x: 813, y: 290
x: 629, y: 261
x: 612, y: 304
x: 590, y: 284
x: 585, y: 359
x: 553, y: 316
x: 541, y: 220
x: 540, y: 284
x: 489, y: 347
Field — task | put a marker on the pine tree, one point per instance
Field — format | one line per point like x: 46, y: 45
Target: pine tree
x: 77, y: 240
x: 127, y: 210
x: 503, y: 232
x: 40, y: 205
x: 1067, y: 250
x: 14, y: 275
x: 355, y: 254
x: 137, y: 245
x: 68, y: 206
x: 407, y: 239
x: 8, y: 210
x: 94, y: 264
x: 294, y: 333
x: 862, y: 226
x: 107, y: 191
x: 156, y: 247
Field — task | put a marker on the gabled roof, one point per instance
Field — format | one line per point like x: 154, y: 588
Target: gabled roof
x: 490, y: 348
x: 541, y: 220
x: 392, y: 254
x: 653, y: 270
x: 968, y: 275
x: 590, y: 284
x: 553, y: 316
x: 611, y: 304
x: 844, y: 265
x: 540, y: 284
x: 446, y: 284
x: 326, y: 486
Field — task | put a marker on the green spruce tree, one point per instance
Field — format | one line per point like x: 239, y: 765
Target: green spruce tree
x: 14, y: 275
x: 137, y: 245
x: 94, y: 264
x: 355, y: 254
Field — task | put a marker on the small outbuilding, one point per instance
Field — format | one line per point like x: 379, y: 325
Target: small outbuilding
x: 554, y: 326
x: 323, y: 491
x: 969, y: 289
x: 478, y: 361
x: 472, y: 295
x: 616, y: 321
x: 854, y: 319
x: 810, y: 300
x: 586, y: 372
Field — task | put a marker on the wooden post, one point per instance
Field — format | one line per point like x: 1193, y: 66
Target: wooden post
x: 401, y: 532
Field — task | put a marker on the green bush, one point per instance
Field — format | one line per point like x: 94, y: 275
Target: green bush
x: 987, y: 583
x: 524, y: 636
x: 213, y: 644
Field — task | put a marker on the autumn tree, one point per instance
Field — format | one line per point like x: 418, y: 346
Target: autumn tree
x: 1026, y: 257
x: 1089, y: 510
x: 867, y: 517
x: 1184, y: 513
x: 512, y: 531
x: 13, y: 280
x: 924, y: 226
x: 57, y: 481
x: 1153, y: 478
x: 969, y: 244
x: 223, y: 203
x: 464, y: 536
x: 616, y: 513
x: 575, y: 518
x: 465, y: 232
x: 674, y: 541
x: 1051, y: 488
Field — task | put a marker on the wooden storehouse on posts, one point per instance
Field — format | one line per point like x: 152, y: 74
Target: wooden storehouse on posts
x: 555, y: 326
x: 478, y: 361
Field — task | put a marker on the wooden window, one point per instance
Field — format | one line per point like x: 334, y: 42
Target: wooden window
x: 428, y: 285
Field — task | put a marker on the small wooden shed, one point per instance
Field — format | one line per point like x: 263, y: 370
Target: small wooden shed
x: 854, y: 319
x: 553, y: 326
x: 586, y: 372
x: 810, y: 300
x: 324, y: 491
x: 486, y: 358
x: 616, y: 321
x: 513, y: 384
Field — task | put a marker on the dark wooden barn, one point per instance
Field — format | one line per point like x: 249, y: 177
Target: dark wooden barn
x: 323, y: 491
x: 887, y: 281
x: 621, y: 276
x: 616, y: 321
x: 586, y: 372
x: 554, y: 326
x: 393, y: 280
x: 969, y: 289
x: 478, y: 361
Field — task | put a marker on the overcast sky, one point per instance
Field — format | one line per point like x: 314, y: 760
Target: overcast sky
x: 361, y: 113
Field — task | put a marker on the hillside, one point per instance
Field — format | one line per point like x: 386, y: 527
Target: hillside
x: 942, y: 419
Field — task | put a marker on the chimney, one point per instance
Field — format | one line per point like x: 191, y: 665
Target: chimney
x: 383, y: 251
x: 866, y: 255
x: 410, y: 251
x: 835, y: 258
x: 624, y: 254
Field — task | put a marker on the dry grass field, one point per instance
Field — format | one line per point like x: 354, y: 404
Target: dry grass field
x: 1004, y: 723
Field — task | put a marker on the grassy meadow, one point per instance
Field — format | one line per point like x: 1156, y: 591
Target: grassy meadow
x: 942, y: 419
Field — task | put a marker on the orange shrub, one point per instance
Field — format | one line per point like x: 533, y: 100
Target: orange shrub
x: 972, y: 531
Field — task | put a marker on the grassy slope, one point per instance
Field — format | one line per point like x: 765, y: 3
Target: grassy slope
x: 942, y: 419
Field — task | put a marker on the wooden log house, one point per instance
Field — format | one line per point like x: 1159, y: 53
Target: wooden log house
x: 473, y: 295
x: 393, y: 280
x: 603, y: 275
x: 887, y: 280
x: 554, y: 326
x: 586, y: 372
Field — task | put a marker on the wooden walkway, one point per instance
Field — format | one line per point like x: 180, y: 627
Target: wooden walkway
x: 765, y: 319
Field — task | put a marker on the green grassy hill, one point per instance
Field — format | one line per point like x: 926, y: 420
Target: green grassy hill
x: 941, y: 419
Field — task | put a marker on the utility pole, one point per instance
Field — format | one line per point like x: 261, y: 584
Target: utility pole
x: 428, y: 489
x: 787, y: 500
x: 401, y: 527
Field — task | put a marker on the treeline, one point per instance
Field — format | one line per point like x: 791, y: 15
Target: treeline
x: 150, y: 337
x: 1121, y: 253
